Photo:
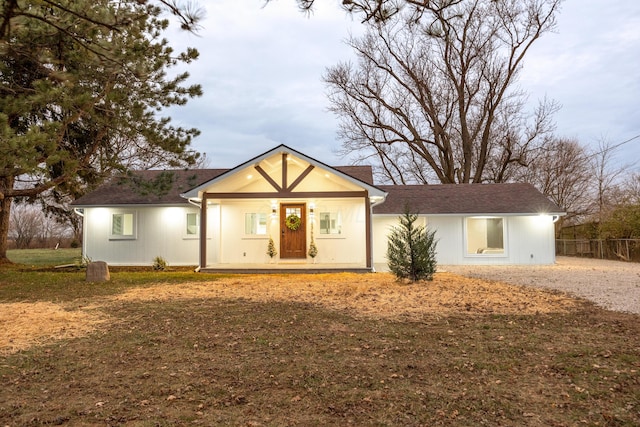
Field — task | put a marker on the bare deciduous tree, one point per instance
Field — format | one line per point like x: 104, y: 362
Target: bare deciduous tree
x: 608, y: 178
x: 436, y: 82
x: 30, y: 226
x: 562, y: 171
x: 631, y: 189
x: 25, y: 225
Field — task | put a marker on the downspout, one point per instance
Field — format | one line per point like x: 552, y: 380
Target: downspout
x: 83, y: 250
x: 199, y: 206
x: 371, y: 206
x: 203, y: 232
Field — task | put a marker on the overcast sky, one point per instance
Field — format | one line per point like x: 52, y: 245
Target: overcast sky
x: 261, y: 67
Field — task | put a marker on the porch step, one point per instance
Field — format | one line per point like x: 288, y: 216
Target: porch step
x: 281, y: 270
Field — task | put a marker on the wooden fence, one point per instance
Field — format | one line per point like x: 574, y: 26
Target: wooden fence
x: 618, y: 249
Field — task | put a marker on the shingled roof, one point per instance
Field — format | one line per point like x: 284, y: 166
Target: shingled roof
x: 474, y: 199
x: 477, y: 199
x: 134, y: 189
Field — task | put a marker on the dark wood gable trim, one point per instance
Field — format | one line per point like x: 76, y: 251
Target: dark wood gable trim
x: 268, y: 178
x: 302, y: 176
x: 284, y: 188
x: 284, y: 171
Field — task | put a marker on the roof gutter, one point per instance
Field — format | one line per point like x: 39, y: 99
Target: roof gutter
x: 192, y: 201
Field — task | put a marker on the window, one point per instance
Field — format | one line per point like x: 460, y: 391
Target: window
x: 255, y: 223
x: 485, y: 236
x: 330, y: 223
x: 293, y: 211
x: 122, y: 225
x: 193, y: 224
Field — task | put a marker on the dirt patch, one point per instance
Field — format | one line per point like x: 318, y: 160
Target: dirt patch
x: 374, y: 295
x: 23, y: 325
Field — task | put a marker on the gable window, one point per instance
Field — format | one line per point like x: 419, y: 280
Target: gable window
x: 485, y: 236
x: 255, y: 223
x: 330, y: 223
x: 123, y: 225
x: 193, y: 224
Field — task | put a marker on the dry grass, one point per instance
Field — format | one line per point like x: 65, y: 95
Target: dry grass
x: 23, y: 324
x: 372, y: 295
x: 315, y: 350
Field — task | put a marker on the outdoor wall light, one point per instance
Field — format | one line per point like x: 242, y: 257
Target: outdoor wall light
x: 273, y: 210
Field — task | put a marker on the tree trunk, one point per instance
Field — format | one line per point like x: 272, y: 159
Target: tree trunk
x: 6, y: 185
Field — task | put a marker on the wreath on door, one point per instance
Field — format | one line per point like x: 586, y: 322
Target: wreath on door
x: 293, y: 222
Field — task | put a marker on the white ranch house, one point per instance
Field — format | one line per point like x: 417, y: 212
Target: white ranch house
x: 222, y: 220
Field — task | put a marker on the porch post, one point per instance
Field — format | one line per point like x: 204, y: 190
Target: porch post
x: 203, y: 231
x: 367, y: 221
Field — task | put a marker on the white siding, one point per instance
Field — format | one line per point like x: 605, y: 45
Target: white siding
x: 528, y: 240
x: 159, y: 231
x: 233, y: 246
x: 348, y: 247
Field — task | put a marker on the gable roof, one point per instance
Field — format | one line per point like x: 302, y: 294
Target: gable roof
x: 131, y: 190
x: 470, y: 199
x: 366, y: 184
x: 476, y: 199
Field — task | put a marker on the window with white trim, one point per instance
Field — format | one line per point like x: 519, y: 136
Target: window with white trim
x: 193, y: 224
x: 485, y: 236
x: 123, y: 225
x: 330, y: 223
x: 255, y: 223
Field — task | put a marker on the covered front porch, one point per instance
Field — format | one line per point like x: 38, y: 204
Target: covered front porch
x: 285, y: 212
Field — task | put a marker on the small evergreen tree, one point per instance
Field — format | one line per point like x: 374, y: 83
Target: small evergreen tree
x: 313, y: 249
x: 271, y: 248
x: 411, y: 250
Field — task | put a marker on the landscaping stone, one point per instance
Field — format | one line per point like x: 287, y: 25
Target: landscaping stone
x: 98, y: 271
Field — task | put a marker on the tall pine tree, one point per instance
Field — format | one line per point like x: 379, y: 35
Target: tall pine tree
x: 82, y: 87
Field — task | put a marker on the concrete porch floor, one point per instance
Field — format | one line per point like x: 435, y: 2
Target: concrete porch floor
x: 285, y: 267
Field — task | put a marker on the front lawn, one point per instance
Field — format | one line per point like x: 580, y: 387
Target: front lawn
x: 45, y: 257
x: 184, y: 348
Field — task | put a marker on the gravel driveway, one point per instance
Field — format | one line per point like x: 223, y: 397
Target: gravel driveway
x: 613, y: 285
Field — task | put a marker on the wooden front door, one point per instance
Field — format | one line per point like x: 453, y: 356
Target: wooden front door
x: 293, y: 243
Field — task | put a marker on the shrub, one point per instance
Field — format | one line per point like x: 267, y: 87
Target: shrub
x: 411, y: 250
x: 159, y: 264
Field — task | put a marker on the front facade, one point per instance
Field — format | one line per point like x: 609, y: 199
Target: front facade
x: 283, y: 203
